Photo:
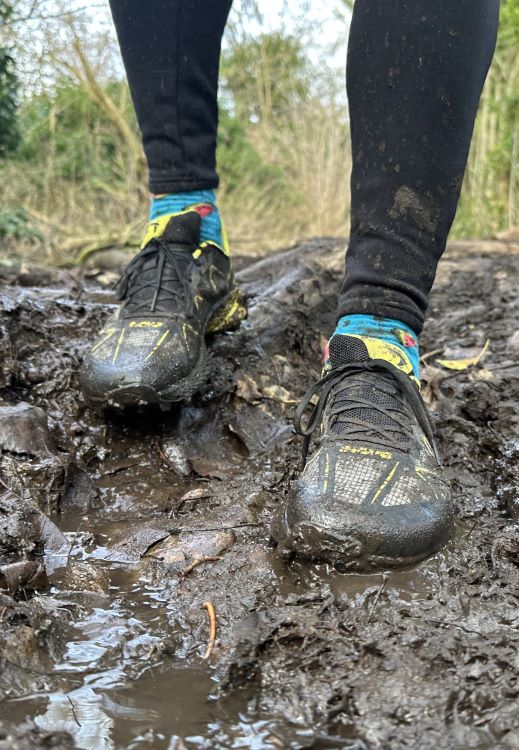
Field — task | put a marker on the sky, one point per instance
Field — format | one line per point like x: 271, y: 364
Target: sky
x: 327, y: 23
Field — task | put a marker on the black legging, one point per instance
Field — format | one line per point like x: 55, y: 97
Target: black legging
x: 415, y: 71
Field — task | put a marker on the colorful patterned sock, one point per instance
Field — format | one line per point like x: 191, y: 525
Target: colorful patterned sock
x: 383, y: 338
x: 205, y: 202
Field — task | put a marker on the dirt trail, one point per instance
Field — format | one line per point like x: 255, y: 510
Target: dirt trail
x: 114, y: 534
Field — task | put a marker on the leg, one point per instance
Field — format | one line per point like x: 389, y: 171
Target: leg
x: 171, y: 52
x: 414, y: 76
x: 180, y: 286
x: 373, y: 493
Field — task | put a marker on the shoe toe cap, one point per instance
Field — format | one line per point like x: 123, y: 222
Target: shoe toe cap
x: 349, y: 529
x: 140, y: 361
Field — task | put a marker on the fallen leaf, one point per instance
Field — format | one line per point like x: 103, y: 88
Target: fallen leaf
x: 83, y: 576
x: 483, y: 374
x: 132, y: 543
x: 278, y: 393
x: 257, y: 429
x: 210, y: 467
x: 432, y: 379
x: 247, y: 388
x: 462, y: 364
x: 196, y: 494
x: 23, y: 575
x: 192, y: 546
x: 176, y: 457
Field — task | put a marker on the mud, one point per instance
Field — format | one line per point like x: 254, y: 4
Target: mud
x: 114, y: 533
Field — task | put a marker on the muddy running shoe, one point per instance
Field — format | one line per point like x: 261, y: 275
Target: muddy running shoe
x: 174, y: 292
x: 372, y: 494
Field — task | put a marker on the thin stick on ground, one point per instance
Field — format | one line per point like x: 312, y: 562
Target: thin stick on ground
x: 212, y: 628
x: 73, y: 711
x: 198, y: 561
x: 385, y: 576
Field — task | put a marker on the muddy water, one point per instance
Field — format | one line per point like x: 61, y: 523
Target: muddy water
x: 115, y: 532
x: 111, y: 697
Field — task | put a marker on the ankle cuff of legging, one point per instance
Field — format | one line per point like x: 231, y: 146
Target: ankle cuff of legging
x: 160, y: 185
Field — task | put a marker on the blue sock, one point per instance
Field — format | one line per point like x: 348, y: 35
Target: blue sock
x: 386, y: 330
x: 172, y: 203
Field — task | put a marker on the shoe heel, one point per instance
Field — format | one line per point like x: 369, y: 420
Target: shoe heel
x: 229, y: 314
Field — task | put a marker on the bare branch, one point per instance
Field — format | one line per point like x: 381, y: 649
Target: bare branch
x: 62, y: 14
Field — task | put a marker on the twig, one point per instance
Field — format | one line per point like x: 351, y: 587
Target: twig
x: 196, y: 530
x: 509, y: 366
x: 73, y: 711
x: 72, y: 545
x: 212, y: 628
x: 380, y: 589
x: 469, y: 533
x: 62, y: 14
x: 447, y: 624
x: 198, y: 561
x: 161, y: 453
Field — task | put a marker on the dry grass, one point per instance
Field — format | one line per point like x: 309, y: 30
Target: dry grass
x: 310, y: 152
x: 311, y: 148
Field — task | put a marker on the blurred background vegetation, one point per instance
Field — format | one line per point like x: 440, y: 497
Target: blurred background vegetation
x: 72, y: 173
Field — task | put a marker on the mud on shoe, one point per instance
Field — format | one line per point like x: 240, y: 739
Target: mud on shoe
x: 174, y: 292
x: 372, y: 495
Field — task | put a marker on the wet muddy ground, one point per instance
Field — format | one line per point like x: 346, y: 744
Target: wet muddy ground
x: 114, y: 534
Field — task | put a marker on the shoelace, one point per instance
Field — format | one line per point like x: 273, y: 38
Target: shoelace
x: 363, y: 428
x: 132, y: 282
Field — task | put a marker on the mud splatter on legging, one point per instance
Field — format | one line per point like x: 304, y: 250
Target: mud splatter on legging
x: 414, y: 77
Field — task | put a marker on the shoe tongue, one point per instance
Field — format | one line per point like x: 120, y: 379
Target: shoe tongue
x: 162, y: 293
x: 183, y: 229
x: 180, y: 229
x: 345, y: 349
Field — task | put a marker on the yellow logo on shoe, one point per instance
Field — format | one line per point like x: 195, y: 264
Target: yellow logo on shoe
x: 380, y: 349
x: 364, y: 450
x: 146, y: 324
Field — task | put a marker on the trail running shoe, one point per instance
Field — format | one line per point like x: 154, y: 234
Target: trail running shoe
x: 372, y: 494
x: 174, y: 292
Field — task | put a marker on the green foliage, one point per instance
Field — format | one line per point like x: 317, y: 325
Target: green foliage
x: 8, y: 92
x: 69, y: 131
x: 15, y: 224
x: 283, y: 149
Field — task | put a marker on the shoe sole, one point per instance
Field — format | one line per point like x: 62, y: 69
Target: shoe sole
x: 347, y: 553
x: 226, y: 316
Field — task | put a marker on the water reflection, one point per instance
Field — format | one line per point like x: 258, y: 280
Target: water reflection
x: 81, y: 713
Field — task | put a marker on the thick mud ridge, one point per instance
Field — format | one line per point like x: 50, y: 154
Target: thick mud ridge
x: 115, y: 533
